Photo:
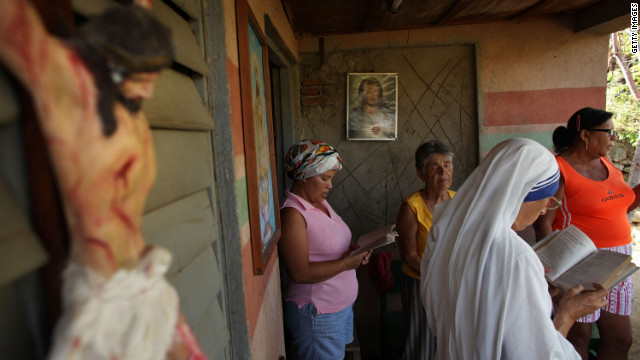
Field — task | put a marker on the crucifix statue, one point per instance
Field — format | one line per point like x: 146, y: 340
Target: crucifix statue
x: 87, y: 93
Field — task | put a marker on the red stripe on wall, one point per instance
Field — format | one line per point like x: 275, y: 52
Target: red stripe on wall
x: 539, y: 106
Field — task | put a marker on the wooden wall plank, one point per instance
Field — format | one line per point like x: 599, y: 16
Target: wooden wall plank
x: 184, y: 165
x: 20, y: 254
x: 186, y: 227
x: 176, y: 103
x: 16, y: 327
x: 211, y: 331
x: 188, y: 52
x: 198, y: 286
x: 8, y: 100
x: 90, y: 8
x: 191, y: 7
x: 20, y: 249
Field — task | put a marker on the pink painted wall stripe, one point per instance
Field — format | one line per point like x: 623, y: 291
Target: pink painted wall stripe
x: 539, y: 106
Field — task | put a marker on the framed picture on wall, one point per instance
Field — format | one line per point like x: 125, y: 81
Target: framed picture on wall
x: 259, y: 148
x: 372, y: 106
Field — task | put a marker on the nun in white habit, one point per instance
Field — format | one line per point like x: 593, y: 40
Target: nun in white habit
x: 483, y: 287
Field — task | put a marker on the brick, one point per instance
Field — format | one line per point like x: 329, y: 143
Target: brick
x: 314, y: 100
x: 311, y: 82
x: 310, y: 90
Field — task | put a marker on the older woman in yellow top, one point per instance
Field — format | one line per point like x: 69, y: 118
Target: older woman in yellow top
x: 434, y: 166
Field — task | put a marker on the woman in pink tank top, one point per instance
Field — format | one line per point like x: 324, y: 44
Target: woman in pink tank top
x: 596, y: 199
x: 315, y: 248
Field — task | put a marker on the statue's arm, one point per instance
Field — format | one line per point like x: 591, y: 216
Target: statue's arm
x: 143, y: 3
x: 52, y: 73
x: 25, y: 46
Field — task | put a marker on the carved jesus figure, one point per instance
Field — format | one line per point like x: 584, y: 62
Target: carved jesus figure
x: 87, y: 93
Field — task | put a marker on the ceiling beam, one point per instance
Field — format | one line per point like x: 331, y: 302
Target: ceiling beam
x: 530, y: 8
x: 452, y: 12
x: 372, y: 15
x: 604, y: 18
x: 290, y: 11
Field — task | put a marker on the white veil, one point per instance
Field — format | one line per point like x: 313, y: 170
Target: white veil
x: 458, y: 289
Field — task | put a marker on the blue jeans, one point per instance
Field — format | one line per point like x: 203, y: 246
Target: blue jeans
x: 318, y: 336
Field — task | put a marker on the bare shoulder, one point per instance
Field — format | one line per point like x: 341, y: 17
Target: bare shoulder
x: 406, y: 212
x: 293, y: 242
x: 407, y: 219
x: 291, y: 217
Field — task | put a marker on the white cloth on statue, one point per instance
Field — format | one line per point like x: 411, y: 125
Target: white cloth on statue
x: 482, y: 286
x: 132, y: 315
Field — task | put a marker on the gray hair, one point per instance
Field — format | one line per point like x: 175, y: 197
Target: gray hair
x: 424, y: 152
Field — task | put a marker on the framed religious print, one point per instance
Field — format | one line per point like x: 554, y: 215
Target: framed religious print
x: 372, y: 110
x: 259, y: 148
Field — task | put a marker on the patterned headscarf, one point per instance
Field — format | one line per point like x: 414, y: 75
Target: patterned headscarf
x: 309, y: 158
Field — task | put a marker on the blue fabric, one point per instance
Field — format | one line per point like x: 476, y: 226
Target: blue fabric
x: 545, y: 188
x: 318, y: 336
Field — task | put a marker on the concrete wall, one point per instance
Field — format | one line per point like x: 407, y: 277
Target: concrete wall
x: 435, y: 100
x: 531, y: 75
x: 526, y: 79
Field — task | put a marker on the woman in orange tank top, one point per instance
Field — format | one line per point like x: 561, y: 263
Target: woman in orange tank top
x: 596, y: 199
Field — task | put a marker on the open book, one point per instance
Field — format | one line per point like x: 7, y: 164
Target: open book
x: 576, y: 260
x: 376, y: 239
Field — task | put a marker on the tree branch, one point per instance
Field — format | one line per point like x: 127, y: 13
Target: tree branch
x: 628, y: 77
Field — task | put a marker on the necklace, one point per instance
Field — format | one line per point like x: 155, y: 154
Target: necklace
x: 432, y: 203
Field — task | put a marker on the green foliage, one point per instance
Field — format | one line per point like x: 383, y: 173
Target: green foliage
x: 619, y: 99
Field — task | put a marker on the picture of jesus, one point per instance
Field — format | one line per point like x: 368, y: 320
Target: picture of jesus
x: 371, y: 111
